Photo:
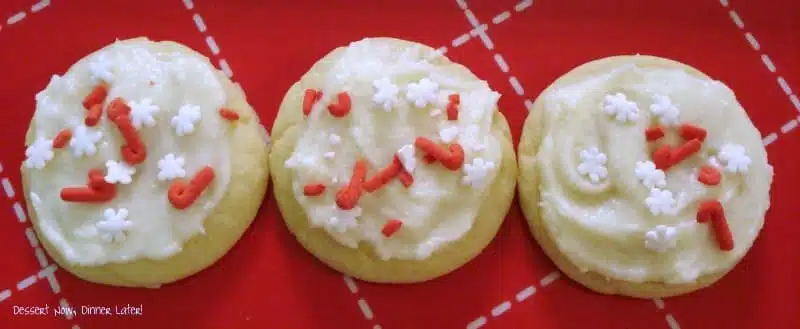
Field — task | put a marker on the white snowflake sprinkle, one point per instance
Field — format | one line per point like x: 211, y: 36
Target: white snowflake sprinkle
x: 114, y: 226
x: 142, y: 113
x: 714, y: 162
x: 435, y: 113
x: 407, y: 159
x: 660, y: 202
x: 100, y: 68
x: 422, y: 93
x: 334, y: 139
x: 593, y: 164
x: 184, y: 122
x: 448, y: 134
x: 385, y: 93
x: 661, y: 238
x: 343, y: 220
x: 38, y: 153
x: 650, y: 176
x: 329, y: 155
x: 667, y: 113
x: 170, y: 167
x: 118, y: 172
x: 475, y: 173
x: 620, y: 107
x: 734, y: 157
x: 83, y: 141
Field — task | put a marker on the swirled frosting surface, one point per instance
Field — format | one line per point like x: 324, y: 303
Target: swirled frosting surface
x: 139, y: 222
x: 610, y: 211
x: 398, y: 95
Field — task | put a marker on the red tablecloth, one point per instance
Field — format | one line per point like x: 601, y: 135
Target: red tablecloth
x: 269, y: 281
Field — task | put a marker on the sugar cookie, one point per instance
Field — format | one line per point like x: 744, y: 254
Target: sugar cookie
x: 143, y: 165
x: 641, y: 176
x: 391, y: 163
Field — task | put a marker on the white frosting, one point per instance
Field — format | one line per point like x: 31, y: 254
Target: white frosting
x: 139, y: 222
x: 639, y: 224
x: 437, y: 209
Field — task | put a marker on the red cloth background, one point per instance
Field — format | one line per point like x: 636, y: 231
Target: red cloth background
x: 269, y: 281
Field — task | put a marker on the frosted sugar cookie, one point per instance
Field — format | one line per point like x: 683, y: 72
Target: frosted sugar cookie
x: 143, y: 165
x: 641, y: 176
x: 391, y: 163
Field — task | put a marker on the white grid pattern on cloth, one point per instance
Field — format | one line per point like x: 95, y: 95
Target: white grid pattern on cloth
x: 506, y: 305
x: 366, y: 311
x: 209, y: 39
x: 46, y: 271
x: 19, y: 16
x: 770, y: 66
x: 751, y: 39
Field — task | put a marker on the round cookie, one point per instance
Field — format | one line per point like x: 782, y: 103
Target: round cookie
x: 386, y: 106
x: 641, y: 176
x: 144, y: 164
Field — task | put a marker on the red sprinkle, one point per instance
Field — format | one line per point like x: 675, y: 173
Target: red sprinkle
x: 709, y: 175
x: 456, y: 158
x: 342, y: 105
x: 96, y: 191
x: 428, y: 158
x: 97, y: 96
x: 97, y: 180
x: 347, y: 197
x: 689, y: 131
x: 116, y: 108
x: 313, y: 189
x: 452, y: 107
x: 713, y: 211
x: 654, y: 133
x: 662, y: 157
x: 311, y: 96
x: 665, y: 156
x: 93, y: 115
x: 383, y: 177
x: 451, y: 158
x: 404, y: 176
x: 685, y: 150
x: 228, y: 114
x: 62, y: 138
x: 182, y: 195
x: 391, y: 226
x: 133, y: 151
